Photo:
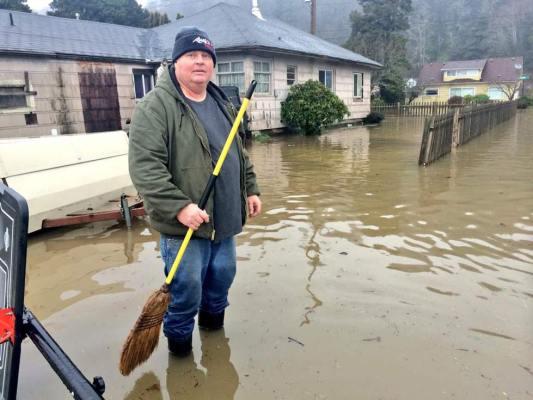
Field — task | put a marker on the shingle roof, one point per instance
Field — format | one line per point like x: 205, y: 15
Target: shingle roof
x: 468, y: 64
x: 229, y: 27
x: 45, y: 35
x: 506, y: 69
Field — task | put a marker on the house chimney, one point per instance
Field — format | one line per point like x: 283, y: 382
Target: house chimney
x: 11, y: 19
x: 255, y: 9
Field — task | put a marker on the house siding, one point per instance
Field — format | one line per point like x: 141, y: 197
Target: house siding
x: 58, y: 103
x: 265, y: 108
x: 444, y: 91
x: 63, y: 105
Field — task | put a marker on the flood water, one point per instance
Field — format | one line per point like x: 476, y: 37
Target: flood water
x: 366, y: 277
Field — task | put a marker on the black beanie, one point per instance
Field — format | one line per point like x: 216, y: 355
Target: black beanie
x: 190, y: 38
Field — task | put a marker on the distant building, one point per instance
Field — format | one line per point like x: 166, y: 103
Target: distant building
x: 498, y: 78
x: 60, y: 75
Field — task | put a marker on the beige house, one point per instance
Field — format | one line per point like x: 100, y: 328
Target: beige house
x: 61, y: 76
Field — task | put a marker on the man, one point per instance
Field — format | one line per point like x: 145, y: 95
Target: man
x: 176, y: 135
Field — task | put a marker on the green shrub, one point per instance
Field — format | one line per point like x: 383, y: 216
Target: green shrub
x: 477, y: 99
x: 262, y: 137
x: 468, y: 99
x: 481, y: 99
x: 392, y: 87
x: 456, y: 100
x: 373, y: 118
x: 310, y: 106
x: 378, y: 102
x: 523, y: 103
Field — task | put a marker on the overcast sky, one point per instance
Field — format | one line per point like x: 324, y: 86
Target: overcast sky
x: 41, y: 6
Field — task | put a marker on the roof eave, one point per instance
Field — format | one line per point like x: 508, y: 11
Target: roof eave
x: 81, y: 57
x: 295, y: 53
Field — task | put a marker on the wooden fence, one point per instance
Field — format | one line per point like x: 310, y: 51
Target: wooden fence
x: 478, y: 119
x: 416, y: 110
x: 444, y: 132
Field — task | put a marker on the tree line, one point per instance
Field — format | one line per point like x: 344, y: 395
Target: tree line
x: 403, y: 35
x: 121, y: 12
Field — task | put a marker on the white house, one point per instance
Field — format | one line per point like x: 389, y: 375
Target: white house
x: 72, y: 76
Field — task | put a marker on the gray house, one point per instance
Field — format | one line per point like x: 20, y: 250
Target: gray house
x: 60, y: 76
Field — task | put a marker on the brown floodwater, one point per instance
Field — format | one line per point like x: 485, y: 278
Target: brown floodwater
x: 366, y: 277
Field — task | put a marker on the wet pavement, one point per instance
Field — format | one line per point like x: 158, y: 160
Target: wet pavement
x: 366, y: 277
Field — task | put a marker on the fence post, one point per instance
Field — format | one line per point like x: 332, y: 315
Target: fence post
x: 430, y: 143
x: 398, y: 105
x: 455, y: 129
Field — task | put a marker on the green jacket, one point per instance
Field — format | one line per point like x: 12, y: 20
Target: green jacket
x: 170, y: 161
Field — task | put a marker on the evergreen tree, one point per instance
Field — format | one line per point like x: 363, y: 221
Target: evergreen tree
x: 155, y: 18
x: 473, y: 31
x: 122, y: 12
x: 15, y: 5
x: 379, y: 33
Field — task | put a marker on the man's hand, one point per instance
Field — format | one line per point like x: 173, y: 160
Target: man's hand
x: 192, y: 217
x: 254, y: 205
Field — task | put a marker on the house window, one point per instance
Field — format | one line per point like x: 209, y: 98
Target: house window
x: 358, y: 85
x: 262, y: 76
x: 462, y: 73
x: 496, y: 93
x: 231, y: 73
x: 462, y: 92
x: 143, y: 82
x: 291, y: 75
x: 325, y: 76
x: 431, y: 92
x: 12, y: 96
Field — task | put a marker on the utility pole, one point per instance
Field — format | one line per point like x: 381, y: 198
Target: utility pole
x: 313, y: 17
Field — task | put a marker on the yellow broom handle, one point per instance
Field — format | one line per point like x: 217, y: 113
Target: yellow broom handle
x: 210, y: 184
x: 231, y: 135
x: 179, y: 256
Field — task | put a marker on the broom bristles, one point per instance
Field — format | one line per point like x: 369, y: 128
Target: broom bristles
x: 144, y: 337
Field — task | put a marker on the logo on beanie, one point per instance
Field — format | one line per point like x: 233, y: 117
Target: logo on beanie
x: 204, y: 41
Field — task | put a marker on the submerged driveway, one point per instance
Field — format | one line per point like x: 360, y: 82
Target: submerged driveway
x: 366, y: 277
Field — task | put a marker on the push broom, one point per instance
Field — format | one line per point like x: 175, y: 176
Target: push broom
x: 144, y: 336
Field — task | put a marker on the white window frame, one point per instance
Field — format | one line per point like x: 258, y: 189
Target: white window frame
x: 295, y: 79
x: 24, y: 90
x: 10, y: 89
x: 358, y: 83
x: 502, y: 95
x: 326, y: 70
x: 461, y: 89
x: 462, y: 73
x: 427, y: 94
x: 263, y: 76
x: 143, y: 72
x: 236, y: 76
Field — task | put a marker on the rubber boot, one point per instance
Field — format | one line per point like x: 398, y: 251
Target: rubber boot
x: 180, y: 347
x: 210, y: 322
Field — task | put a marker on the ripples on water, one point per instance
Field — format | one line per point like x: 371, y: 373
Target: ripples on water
x: 360, y: 256
x: 470, y: 213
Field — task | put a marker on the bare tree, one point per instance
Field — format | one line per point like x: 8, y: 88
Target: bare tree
x: 510, y: 89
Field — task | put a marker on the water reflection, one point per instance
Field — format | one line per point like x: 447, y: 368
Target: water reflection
x: 360, y: 254
x: 363, y: 185
x: 214, y: 378
x: 68, y: 265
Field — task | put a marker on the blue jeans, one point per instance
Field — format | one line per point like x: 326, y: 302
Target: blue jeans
x: 201, y: 282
